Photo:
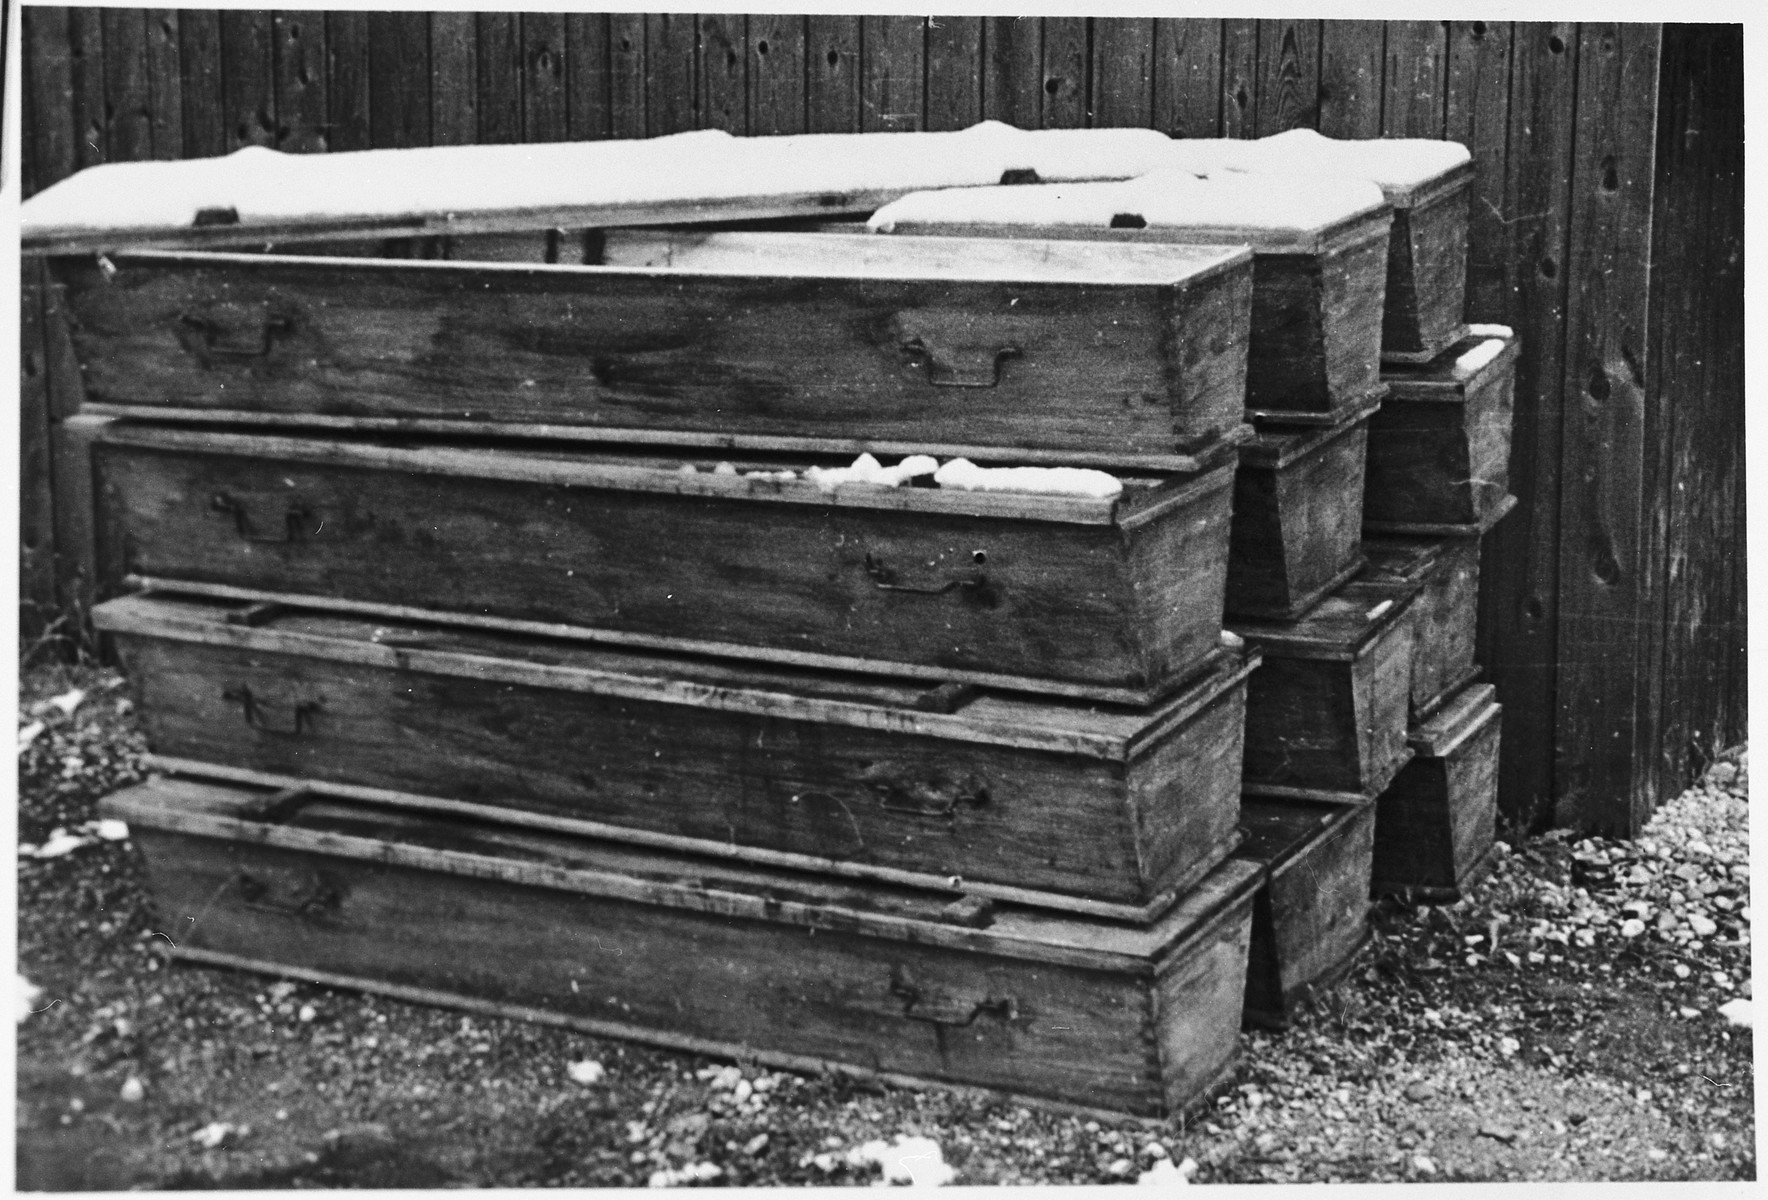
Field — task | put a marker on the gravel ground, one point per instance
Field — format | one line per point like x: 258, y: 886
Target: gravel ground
x: 1562, y: 1023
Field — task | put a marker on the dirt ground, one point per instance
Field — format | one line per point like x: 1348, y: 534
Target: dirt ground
x: 1560, y: 1024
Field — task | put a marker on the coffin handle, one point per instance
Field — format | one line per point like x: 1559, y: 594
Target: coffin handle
x: 257, y: 713
x: 953, y: 1011
x: 959, y: 366
x: 293, y: 518
x: 251, y: 339
x: 884, y: 579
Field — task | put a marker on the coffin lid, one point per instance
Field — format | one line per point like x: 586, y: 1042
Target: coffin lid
x: 1399, y: 559
x: 1341, y: 627
x: 705, y: 175
x: 1274, y: 447
x: 1407, y: 170
x: 1057, y: 724
x: 1456, y: 721
x: 455, y: 846
x: 1278, y: 831
x: 1447, y: 377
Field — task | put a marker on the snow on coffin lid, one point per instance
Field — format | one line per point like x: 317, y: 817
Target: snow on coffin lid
x: 1399, y: 166
x: 704, y: 174
x: 1231, y: 207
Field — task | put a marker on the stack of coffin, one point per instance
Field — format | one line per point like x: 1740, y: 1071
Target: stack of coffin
x: 1359, y: 270
x: 500, y: 646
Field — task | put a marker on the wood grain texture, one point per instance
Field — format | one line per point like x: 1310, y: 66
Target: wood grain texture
x: 1352, y: 61
x: 165, y: 100
x: 1412, y: 90
x: 679, y: 351
x: 1435, y: 824
x: 832, y: 84
x: 86, y: 50
x: 1123, y: 67
x: 954, y: 73
x: 672, y: 98
x: 765, y: 776
x: 1012, y: 71
x: 724, y: 71
x: 347, y: 60
x: 1439, y: 446
x: 1446, y: 610
x: 776, y: 78
x: 37, y: 608
x: 545, y: 67
x: 1603, y: 598
x: 1519, y: 606
x: 50, y: 131
x: 1312, y: 915
x: 1188, y: 77
x: 497, y: 38
x: 127, y: 85
x: 454, y: 79
x: 1066, y: 88
x: 1476, y: 112
x: 934, y: 1009
x: 1298, y: 518
x: 248, y: 80
x: 627, y: 76
x: 1289, y: 76
x: 1240, y: 78
x: 1136, y: 609
x: 301, y: 92
x: 398, y: 79
x: 892, y: 73
x: 589, y: 76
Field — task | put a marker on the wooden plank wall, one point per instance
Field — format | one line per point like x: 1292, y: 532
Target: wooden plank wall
x: 1613, y: 614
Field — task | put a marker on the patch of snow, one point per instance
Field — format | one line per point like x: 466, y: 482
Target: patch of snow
x: 867, y: 470
x: 1480, y: 355
x: 61, y: 842
x: 586, y: 1071
x: 1737, y: 1012
x: 1169, y: 199
x: 965, y: 475
x: 263, y: 185
x: 213, y: 1134
x: 1164, y: 1174
x: 24, y: 997
x: 133, y: 1091
x: 909, y: 1159
x: 1491, y: 331
x: 1396, y: 163
x: 67, y: 702
x: 30, y: 733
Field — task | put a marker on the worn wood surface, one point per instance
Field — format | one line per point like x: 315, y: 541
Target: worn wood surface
x: 796, y: 762
x: 1312, y: 915
x: 1435, y: 823
x: 1298, y: 517
x: 1508, y: 90
x: 1439, y: 448
x: 923, y: 356
x: 1427, y: 272
x: 1327, y: 709
x: 1447, y: 608
x: 38, y: 603
x: 887, y: 992
x: 1127, y: 612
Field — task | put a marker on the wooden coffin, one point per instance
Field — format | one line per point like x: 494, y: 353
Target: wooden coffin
x: 1427, y: 182
x: 1435, y: 824
x: 1445, y: 572
x: 787, y: 968
x: 1116, y: 598
x: 1439, y: 449
x: 1298, y: 517
x: 1121, y: 806
x: 1311, y: 916
x: 1068, y: 353
x: 1326, y: 712
x: 1318, y: 285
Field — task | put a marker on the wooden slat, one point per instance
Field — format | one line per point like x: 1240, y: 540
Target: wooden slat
x: 454, y: 79
x: 545, y: 65
x: 671, y: 99
x: 1519, y: 602
x: 166, y: 73
x: 1351, y: 59
x: 298, y: 91
x: 831, y: 85
x: 892, y: 73
x: 1240, y: 78
x: 1188, y: 77
x: 1012, y: 70
x: 1289, y: 76
x: 248, y: 85
x: 86, y: 44
x: 1477, y: 87
x: 1065, y: 73
x: 49, y: 127
x: 627, y: 94
x: 954, y: 75
x: 36, y: 526
x: 588, y: 103
x: 1412, y: 92
x: 724, y: 71
x: 346, y: 45
x: 499, y: 40
x: 1123, y: 72
x: 127, y: 87
x: 776, y: 74
x: 399, y: 78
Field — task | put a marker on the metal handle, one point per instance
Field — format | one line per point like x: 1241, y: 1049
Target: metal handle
x: 242, y: 340
x: 950, y: 1010
x: 924, y: 792
x: 319, y: 900
x: 981, y: 369
x: 253, y: 710
x: 884, y: 579
x: 293, y: 518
